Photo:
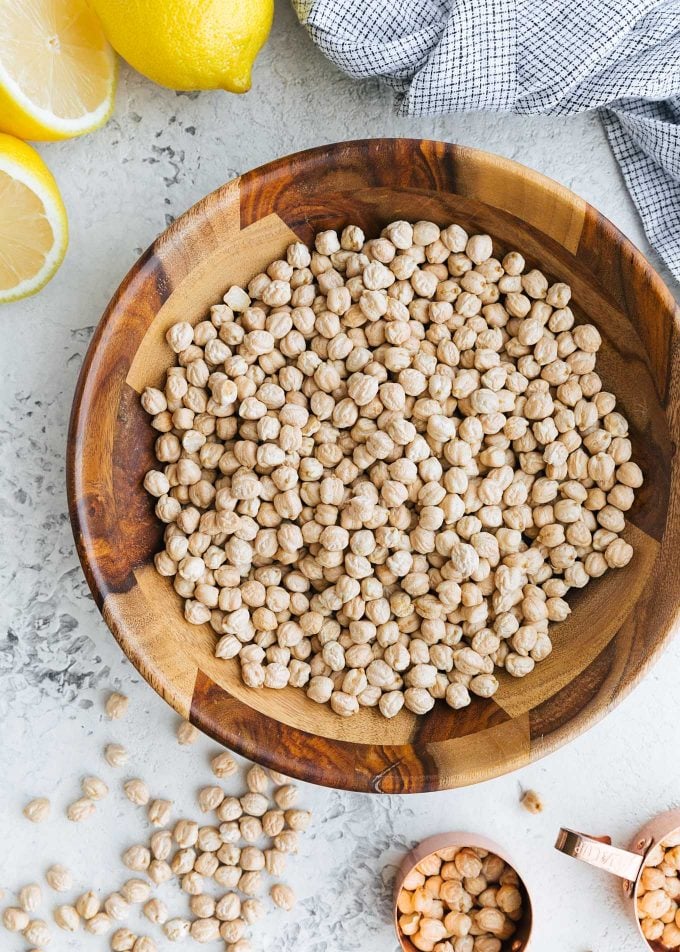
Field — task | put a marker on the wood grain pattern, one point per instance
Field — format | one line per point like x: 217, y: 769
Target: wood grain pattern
x: 619, y: 624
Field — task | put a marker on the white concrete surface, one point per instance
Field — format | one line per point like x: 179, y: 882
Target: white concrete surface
x: 159, y: 154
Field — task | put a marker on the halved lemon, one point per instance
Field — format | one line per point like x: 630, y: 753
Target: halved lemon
x: 33, y: 224
x: 57, y: 69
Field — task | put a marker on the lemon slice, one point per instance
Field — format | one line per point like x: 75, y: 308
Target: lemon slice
x: 57, y: 70
x: 33, y: 225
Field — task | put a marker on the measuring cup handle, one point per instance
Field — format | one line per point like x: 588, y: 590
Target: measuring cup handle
x: 599, y: 852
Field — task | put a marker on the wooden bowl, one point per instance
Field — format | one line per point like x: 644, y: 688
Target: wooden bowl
x: 619, y: 623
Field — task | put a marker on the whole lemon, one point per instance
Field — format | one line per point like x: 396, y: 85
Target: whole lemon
x: 189, y: 44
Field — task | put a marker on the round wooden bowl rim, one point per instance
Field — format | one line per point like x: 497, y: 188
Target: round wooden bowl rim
x: 81, y: 408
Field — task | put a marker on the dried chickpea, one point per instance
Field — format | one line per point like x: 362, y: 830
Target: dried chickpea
x: 144, y: 944
x: 532, y: 802
x: 137, y: 792
x: 177, y: 929
x: 156, y: 911
x: 123, y: 940
x: 38, y: 810
x: 159, y: 812
x: 15, y: 920
x: 159, y: 871
x: 37, y: 932
x: 115, y: 755
x: 59, y: 878
x: 282, y: 896
x: 99, y: 924
x: 186, y: 733
x: 223, y: 765
x: 117, y: 705
x: 80, y: 809
x: 134, y: 891
x: 30, y: 897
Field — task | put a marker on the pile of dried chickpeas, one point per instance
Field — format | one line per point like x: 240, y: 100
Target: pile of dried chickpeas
x: 221, y: 865
x: 460, y: 900
x: 383, y: 466
x: 658, y: 893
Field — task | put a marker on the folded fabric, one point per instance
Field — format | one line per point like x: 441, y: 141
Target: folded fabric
x: 556, y: 57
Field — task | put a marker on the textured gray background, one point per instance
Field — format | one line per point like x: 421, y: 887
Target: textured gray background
x: 159, y: 154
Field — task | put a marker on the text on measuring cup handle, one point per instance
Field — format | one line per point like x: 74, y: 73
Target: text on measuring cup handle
x: 589, y: 850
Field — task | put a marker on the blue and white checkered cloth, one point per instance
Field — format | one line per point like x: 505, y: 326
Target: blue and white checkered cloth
x: 556, y: 57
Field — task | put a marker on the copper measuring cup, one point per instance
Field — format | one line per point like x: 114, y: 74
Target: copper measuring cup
x: 626, y: 864
x: 520, y: 940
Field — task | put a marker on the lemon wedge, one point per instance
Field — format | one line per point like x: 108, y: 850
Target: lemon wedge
x: 57, y: 70
x: 33, y: 224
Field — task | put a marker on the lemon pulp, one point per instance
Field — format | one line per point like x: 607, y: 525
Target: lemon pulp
x: 57, y: 70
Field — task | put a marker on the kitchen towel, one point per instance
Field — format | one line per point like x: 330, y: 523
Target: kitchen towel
x: 555, y: 57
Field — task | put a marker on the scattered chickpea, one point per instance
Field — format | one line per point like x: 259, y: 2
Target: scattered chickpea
x: 135, y: 890
x: 59, y: 878
x: 298, y: 820
x: 185, y: 833
x: 275, y: 861
x: 81, y: 809
x: 250, y: 883
x: 203, y: 906
x: 531, y: 801
x: 88, y: 905
x: 252, y: 910
x: 205, y: 930
x: 242, y: 945
x: 144, y: 944
x: 223, y: 765
x: 159, y: 812
x: 231, y: 930
x: 67, y: 918
x: 116, y: 906
x: 209, y: 798
x: 38, y: 810
x: 123, y: 940
x: 156, y: 911
x: 282, y: 896
x: 115, y: 755
x: 15, y: 920
x: 257, y: 779
x: 137, y: 792
x: 187, y: 734
x: 116, y: 706
x: 137, y: 858
x: 192, y: 883
x: 177, y: 929
x: 94, y: 788
x: 285, y: 797
x: 30, y: 897
x: 161, y: 844
x: 255, y: 804
x: 273, y: 822
x: 159, y: 871
x: 37, y: 932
